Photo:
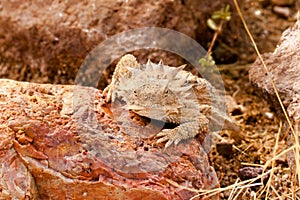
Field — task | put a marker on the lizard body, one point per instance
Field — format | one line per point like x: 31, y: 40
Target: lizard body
x: 165, y: 93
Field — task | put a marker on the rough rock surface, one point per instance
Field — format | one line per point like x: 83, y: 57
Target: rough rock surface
x: 64, y: 142
x: 284, y: 67
x: 51, y: 39
x: 46, y: 41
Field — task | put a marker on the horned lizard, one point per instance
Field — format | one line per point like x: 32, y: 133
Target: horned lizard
x: 161, y: 92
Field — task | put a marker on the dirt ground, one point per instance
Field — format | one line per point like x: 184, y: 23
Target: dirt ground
x: 255, y: 145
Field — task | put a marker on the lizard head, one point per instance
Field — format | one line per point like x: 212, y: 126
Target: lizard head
x: 153, y: 100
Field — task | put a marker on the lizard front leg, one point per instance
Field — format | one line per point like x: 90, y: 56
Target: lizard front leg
x: 121, y: 71
x: 184, y: 131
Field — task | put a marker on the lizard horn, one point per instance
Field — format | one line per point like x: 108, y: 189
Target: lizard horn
x: 181, y: 67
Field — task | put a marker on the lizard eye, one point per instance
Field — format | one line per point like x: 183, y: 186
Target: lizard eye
x: 135, y: 93
x: 166, y: 92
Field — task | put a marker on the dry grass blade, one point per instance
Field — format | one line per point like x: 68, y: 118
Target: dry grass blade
x: 268, y: 186
x: 233, y: 190
x: 238, y: 186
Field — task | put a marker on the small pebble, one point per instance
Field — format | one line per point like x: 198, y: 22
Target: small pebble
x: 269, y: 115
x: 257, y: 12
x: 225, y: 149
x: 282, y: 11
x: 247, y: 173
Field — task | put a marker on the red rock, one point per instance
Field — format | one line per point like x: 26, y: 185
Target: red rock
x: 59, y: 142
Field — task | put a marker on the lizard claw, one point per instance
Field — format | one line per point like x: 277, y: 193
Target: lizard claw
x: 107, y: 93
x: 169, y: 135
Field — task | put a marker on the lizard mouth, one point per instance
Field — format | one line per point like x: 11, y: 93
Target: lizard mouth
x: 143, y: 111
x: 155, y: 112
x: 134, y: 107
x: 153, y: 108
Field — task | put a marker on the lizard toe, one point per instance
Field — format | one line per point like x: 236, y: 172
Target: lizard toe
x: 169, y: 143
x: 161, y: 140
x: 164, y: 133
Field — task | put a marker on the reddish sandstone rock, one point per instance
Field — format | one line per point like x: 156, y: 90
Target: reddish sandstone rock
x: 61, y: 142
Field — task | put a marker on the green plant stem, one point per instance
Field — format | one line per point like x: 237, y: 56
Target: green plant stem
x: 217, y: 32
